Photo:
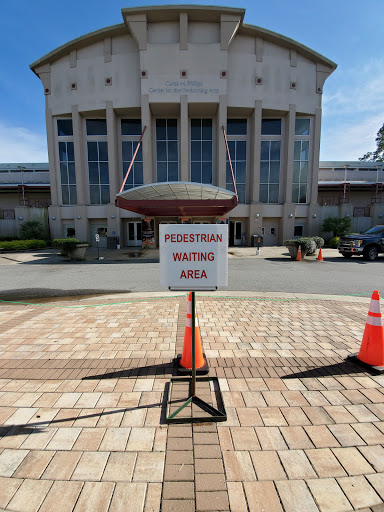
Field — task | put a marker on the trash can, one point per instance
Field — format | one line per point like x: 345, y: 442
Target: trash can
x: 257, y: 241
x: 112, y: 242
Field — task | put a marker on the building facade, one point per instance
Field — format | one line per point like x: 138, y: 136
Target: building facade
x: 24, y: 195
x: 182, y: 74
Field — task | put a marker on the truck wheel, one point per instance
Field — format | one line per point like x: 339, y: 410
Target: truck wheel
x: 370, y: 253
x: 347, y: 255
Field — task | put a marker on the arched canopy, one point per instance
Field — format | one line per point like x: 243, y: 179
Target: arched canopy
x: 177, y: 198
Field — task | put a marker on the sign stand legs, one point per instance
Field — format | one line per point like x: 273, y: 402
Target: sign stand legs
x: 212, y: 414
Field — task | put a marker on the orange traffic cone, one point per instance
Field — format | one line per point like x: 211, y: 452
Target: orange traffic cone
x: 185, y: 362
x: 320, y: 256
x: 298, y: 257
x: 372, y: 347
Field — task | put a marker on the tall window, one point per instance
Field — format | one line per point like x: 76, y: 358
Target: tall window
x: 98, y: 171
x: 66, y: 161
x: 167, y: 151
x: 270, y: 158
x: 201, y: 150
x: 130, y: 136
x: 301, y: 161
x: 237, y: 144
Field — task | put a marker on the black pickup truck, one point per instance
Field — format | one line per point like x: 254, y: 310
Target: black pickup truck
x: 369, y: 244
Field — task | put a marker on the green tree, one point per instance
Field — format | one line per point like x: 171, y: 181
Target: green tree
x: 33, y: 230
x: 338, y: 226
x: 378, y: 155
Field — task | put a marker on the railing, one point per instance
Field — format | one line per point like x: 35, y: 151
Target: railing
x: 133, y: 159
x: 230, y: 162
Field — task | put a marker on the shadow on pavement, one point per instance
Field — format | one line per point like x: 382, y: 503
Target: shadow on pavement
x: 340, y: 369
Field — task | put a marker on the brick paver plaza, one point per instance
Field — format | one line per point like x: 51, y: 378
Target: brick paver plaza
x: 83, y: 397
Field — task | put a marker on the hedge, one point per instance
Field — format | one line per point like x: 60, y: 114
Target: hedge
x: 308, y: 243
x: 23, y: 245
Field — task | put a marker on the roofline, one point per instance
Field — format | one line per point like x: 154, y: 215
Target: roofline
x: 274, y: 37
x: 189, y: 9
x: 153, y: 12
x: 79, y: 42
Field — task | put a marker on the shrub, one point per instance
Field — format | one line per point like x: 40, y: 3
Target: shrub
x: 8, y: 238
x: 23, y: 245
x: 32, y: 230
x: 308, y: 244
x: 318, y: 241
x: 334, y: 242
x: 338, y: 226
x: 66, y: 245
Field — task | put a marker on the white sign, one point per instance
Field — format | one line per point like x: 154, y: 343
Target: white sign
x: 97, y: 237
x: 193, y: 256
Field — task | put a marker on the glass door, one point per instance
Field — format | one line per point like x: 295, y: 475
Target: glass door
x: 134, y: 234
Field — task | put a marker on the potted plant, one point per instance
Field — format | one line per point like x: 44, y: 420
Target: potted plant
x: 71, y: 247
x: 308, y: 245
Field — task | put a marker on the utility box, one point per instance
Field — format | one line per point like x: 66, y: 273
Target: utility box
x: 257, y: 241
x: 112, y: 242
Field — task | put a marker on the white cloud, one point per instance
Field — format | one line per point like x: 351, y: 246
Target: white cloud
x: 350, y: 141
x: 18, y: 144
x: 353, y: 112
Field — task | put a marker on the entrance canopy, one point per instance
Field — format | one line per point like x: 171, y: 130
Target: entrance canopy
x: 177, y: 198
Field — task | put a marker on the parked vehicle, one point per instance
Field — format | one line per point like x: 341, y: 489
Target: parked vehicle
x: 369, y: 244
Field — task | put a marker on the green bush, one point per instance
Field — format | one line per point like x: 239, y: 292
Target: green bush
x: 8, y: 238
x: 338, y: 226
x: 308, y: 244
x: 33, y: 230
x: 334, y: 242
x: 318, y: 241
x: 23, y: 245
x: 66, y: 245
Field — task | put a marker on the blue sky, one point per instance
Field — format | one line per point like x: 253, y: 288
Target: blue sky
x: 349, y: 32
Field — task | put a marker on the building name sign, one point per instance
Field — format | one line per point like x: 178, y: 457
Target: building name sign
x: 183, y: 87
x: 193, y: 256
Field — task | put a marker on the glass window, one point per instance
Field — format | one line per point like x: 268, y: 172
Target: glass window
x: 300, y: 171
x: 270, y: 171
x: 98, y: 172
x: 67, y: 172
x: 64, y: 128
x: 302, y: 126
x: 201, y: 150
x: 96, y: 126
x: 236, y: 127
x: 167, y: 150
x: 238, y: 153
x: 271, y: 127
x: 131, y: 127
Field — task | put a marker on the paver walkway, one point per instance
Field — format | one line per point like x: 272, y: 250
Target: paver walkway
x: 82, y: 407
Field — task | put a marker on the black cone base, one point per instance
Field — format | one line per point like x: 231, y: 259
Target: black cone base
x: 203, y: 370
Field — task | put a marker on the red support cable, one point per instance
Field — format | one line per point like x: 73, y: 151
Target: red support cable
x: 133, y: 159
x: 230, y: 162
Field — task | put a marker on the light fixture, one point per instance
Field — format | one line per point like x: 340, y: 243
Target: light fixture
x: 314, y: 216
x: 79, y: 216
x: 20, y: 218
x: 113, y: 216
x: 380, y: 215
x: 290, y: 215
x: 53, y: 218
x: 347, y: 215
x: 257, y: 215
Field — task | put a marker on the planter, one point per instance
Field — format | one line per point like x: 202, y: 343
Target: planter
x: 293, y: 251
x: 78, y: 254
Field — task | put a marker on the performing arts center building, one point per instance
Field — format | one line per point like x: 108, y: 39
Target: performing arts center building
x: 216, y: 120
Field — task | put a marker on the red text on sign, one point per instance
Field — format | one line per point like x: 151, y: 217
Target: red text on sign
x: 193, y: 274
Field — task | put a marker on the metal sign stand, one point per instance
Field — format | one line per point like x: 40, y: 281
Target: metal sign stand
x: 213, y: 413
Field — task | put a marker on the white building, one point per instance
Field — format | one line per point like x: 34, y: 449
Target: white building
x: 181, y: 74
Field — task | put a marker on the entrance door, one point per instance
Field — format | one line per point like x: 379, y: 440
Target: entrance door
x: 134, y: 234
x: 235, y: 230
